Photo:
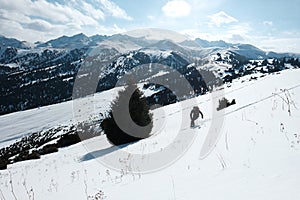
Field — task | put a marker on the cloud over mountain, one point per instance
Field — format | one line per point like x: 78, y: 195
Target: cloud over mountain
x: 26, y: 19
x: 176, y: 8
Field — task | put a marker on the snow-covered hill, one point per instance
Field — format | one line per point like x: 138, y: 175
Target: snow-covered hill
x: 256, y: 157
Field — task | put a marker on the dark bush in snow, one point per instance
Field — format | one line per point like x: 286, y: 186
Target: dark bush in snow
x: 3, y: 164
x: 49, y: 148
x: 33, y: 155
x: 139, y: 114
x: 224, y: 103
x: 68, y: 139
x: 25, y: 155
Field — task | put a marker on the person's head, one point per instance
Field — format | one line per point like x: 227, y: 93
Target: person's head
x: 196, y: 108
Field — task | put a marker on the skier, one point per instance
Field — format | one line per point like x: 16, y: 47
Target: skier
x: 195, y: 114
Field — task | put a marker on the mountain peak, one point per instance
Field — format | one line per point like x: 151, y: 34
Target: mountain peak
x: 206, y: 43
x: 76, y: 41
x: 12, y: 42
x: 79, y: 35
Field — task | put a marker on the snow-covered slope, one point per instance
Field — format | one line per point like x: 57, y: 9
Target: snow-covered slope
x: 256, y: 157
x: 34, y: 120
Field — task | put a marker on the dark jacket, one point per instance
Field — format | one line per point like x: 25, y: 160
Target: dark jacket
x: 195, y: 113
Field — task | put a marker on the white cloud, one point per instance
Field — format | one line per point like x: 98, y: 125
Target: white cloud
x: 176, y: 8
x: 92, y: 12
x: 205, y: 5
x: 114, y: 10
x: 236, y: 33
x: 279, y: 44
x: 42, y: 20
x: 221, y: 18
x: 39, y: 25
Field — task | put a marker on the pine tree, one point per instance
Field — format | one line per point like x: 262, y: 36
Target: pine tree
x: 139, y: 113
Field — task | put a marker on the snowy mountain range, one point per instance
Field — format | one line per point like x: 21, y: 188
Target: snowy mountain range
x: 38, y: 74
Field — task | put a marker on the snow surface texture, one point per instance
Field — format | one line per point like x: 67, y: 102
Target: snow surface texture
x: 16, y: 125
x: 257, y: 156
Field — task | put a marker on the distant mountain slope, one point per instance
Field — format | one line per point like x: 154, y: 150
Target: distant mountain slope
x: 11, y: 42
x: 44, y: 73
x: 205, y: 43
x: 76, y: 41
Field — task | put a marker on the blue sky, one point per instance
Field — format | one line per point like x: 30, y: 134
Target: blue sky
x: 269, y: 24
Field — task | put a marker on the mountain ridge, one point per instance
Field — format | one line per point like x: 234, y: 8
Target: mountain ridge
x: 45, y: 74
x: 80, y: 40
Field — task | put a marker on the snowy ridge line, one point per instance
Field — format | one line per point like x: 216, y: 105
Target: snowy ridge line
x: 215, y: 97
x: 255, y: 102
x: 242, y: 87
x: 263, y: 99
